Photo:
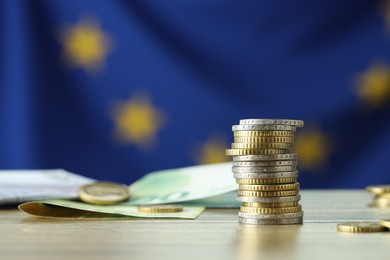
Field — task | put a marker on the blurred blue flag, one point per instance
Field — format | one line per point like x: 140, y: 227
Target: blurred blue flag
x: 116, y: 89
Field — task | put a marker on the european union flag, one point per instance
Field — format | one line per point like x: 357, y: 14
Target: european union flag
x: 116, y: 89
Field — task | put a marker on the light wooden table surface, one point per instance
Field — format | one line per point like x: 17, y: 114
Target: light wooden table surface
x: 216, y: 234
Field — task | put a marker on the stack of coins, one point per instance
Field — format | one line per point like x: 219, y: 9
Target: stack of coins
x: 265, y: 169
x: 382, y: 195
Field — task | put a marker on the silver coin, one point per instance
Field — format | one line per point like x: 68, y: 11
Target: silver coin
x: 270, y: 216
x: 265, y: 157
x: 259, y: 169
x: 285, y: 221
x: 269, y: 199
x: 263, y: 128
x: 265, y: 164
x: 257, y: 175
x: 297, y: 123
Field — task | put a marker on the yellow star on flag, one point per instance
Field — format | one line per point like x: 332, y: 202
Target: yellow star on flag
x: 137, y: 121
x: 313, y: 148
x: 212, y: 151
x: 86, y: 45
x: 373, y: 86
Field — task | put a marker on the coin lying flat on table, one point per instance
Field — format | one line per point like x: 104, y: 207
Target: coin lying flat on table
x: 360, y: 227
x: 103, y: 193
x: 164, y: 208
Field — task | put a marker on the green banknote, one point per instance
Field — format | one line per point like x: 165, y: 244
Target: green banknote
x: 194, y: 187
x: 185, y: 184
x: 74, y: 209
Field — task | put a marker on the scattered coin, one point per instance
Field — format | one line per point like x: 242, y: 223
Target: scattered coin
x: 103, y: 193
x: 360, y: 227
x: 163, y: 208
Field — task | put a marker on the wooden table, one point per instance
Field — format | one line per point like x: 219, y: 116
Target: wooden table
x: 216, y: 234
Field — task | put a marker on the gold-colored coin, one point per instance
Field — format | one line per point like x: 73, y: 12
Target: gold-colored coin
x: 382, y: 196
x: 277, y: 187
x: 285, y: 193
x: 271, y: 204
x: 163, y: 208
x: 103, y: 193
x: 264, y: 133
x: 267, y: 180
x: 380, y: 203
x: 263, y: 139
x: 385, y: 223
x: 360, y: 227
x: 378, y: 189
x: 283, y: 210
x: 233, y: 152
x: 262, y: 145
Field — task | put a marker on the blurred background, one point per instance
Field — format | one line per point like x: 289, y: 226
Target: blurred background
x: 116, y: 89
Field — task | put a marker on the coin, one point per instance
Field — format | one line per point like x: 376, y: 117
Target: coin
x: 283, y: 193
x: 283, y: 210
x: 271, y: 205
x: 277, y: 187
x: 263, y: 128
x: 233, y: 152
x: 271, y: 216
x: 265, y: 164
x: 263, y: 139
x: 103, y: 193
x: 255, y: 221
x: 259, y: 169
x: 269, y: 199
x: 264, y: 133
x: 273, y: 175
x: 297, y: 123
x: 261, y: 146
x: 265, y: 157
x: 360, y: 227
x: 385, y: 223
x: 266, y: 181
x: 381, y: 203
x: 378, y: 189
x: 163, y: 208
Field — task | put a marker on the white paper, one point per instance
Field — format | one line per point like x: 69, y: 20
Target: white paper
x: 25, y: 185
